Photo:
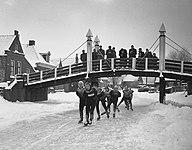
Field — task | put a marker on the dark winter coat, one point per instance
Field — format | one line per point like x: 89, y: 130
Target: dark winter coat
x: 128, y: 93
x: 115, y: 95
x: 123, y: 53
x: 90, y: 95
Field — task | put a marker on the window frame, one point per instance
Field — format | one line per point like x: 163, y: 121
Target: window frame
x: 19, y: 67
x: 12, y: 68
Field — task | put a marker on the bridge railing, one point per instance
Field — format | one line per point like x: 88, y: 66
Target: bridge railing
x: 178, y: 66
x: 187, y: 67
x: 110, y: 64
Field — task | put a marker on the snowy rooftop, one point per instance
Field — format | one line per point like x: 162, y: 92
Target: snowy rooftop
x: 33, y: 56
x: 5, y: 42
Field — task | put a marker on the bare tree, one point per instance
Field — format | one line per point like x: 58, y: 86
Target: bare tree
x: 182, y: 55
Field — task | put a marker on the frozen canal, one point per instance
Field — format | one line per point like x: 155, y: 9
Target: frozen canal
x: 61, y: 131
x: 52, y: 125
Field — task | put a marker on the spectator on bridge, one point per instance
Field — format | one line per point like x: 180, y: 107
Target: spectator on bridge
x: 132, y: 52
x: 79, y: 93
x: 100, y: 53
x: 113, y: 52
x: 154, y: 56
x: 115, y: 94
x: 83, y: 56
x: 94, y: 54
x: 148, y: 54
x: 109, y: 52
x: 90, y: 95
x: 76, y: 59
x: 123, y: 54
x: 141, y: 54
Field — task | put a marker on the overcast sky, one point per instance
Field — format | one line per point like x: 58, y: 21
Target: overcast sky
x: 60, y: 26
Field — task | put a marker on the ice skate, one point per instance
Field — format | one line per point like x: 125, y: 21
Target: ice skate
x: 114, y: 115
x: 80, y: 121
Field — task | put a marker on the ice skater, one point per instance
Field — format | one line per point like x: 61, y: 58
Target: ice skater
x: 107, y: 91
x: 90, y: 95
x: 127, y: 98
x: 79, y: 93
x: 115, y: 94
x: 101, y: 97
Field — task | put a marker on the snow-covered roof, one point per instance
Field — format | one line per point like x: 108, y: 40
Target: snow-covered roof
x: 34, y: 57
x: 129, y: 78
x: 5, y: 42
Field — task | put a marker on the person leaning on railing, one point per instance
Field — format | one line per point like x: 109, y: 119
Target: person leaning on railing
x: 123, y: 55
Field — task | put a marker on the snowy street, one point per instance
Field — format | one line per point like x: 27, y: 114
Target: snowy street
x: 61, y: 131
x: 150, y: 126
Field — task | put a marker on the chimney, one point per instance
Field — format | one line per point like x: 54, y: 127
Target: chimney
x: 16, y: 32
x: 31, y: 43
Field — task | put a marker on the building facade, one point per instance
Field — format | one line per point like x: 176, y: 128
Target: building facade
x: 12, y: 58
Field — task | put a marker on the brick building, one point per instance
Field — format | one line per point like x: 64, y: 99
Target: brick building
x: 12, y: 57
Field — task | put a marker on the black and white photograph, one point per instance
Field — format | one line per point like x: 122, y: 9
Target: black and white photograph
x: 95, y: 74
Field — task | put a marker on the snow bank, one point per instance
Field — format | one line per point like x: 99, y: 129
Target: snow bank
x: 13, y: 112
x: 167, y: 127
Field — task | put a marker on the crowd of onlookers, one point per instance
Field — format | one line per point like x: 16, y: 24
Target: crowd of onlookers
x: 123, y: 53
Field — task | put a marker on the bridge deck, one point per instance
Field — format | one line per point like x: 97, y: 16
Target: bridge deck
x: 110, y: 67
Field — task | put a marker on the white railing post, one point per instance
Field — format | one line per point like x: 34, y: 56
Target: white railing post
x: 182, y: 66
x: 27, y: 78
x: 41, y: 75
x: 69, y: 69
x: 100, y: 65
x: 146, y: 63
x: 112, y: 63
x: 55, y: 73
x: 133, y: 63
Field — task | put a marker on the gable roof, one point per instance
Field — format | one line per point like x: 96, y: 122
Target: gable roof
x: 5, y: 42
x: 34, y: 57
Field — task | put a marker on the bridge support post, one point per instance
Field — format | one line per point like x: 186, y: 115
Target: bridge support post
x: 162, y: 32
x: 96, y: 41
x: 89, y: 51
x: 162, y: 86
x: 189, y: 88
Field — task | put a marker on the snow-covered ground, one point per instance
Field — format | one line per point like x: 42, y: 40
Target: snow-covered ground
x: 11, y: 113
x: 160, y: 127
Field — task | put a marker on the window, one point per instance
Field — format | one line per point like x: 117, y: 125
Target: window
x: 12, y: 68
x: 19, y: 67
x: 27, y: 70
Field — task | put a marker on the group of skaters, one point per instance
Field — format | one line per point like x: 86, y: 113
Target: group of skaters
x: 123, y: 53
x: 90, y: 95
